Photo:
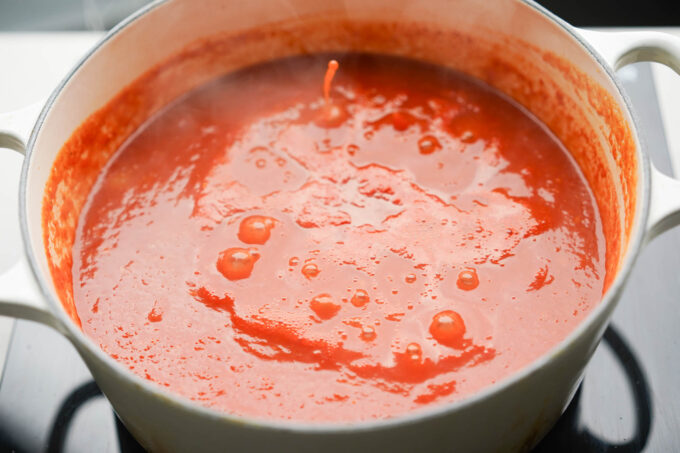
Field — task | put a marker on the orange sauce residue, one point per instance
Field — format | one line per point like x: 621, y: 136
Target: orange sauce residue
x: 328, y: 79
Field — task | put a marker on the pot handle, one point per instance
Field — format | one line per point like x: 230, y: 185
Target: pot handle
x: 619, y: 49
x: 20, y: 296
x: 16, y: 127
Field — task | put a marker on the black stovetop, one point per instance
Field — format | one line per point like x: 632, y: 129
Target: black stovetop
x: 629, y: 400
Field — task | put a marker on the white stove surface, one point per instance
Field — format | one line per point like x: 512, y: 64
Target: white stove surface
x: 32, y: 64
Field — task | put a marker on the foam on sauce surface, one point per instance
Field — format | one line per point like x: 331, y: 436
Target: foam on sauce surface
x: 411, y: 240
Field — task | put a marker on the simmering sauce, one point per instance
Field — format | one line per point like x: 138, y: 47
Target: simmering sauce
x: 405, y: 237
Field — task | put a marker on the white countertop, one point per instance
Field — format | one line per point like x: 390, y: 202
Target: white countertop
x: 32, y: 64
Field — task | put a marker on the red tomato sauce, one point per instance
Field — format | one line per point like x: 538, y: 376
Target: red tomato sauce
x: 410, y: 240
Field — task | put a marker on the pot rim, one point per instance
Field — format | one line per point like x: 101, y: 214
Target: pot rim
x: 604, y: 308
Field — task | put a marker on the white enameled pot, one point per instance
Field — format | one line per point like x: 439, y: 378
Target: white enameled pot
x: 476, y: 37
